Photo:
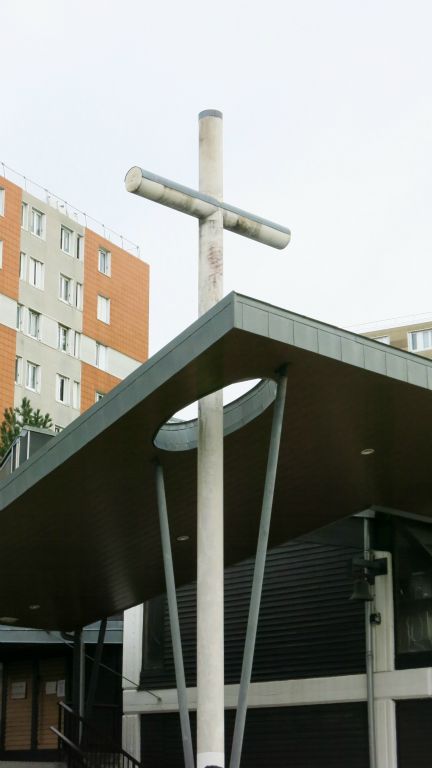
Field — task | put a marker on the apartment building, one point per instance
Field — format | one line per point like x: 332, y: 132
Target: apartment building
x: 413, y: 334
x: 73, y: 307
x: 73, y: 323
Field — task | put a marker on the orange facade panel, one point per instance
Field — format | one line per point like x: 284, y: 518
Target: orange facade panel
x: 7, y: 367
x: 94, y: 381
x: 10, y: 235
x: 126, y: 287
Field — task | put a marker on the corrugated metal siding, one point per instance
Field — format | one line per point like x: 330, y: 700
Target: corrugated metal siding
x: 414, y: 733
x: 332, y: 736
x: 307, y: 628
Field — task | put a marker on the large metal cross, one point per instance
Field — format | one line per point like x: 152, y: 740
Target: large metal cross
x: 214, y: 216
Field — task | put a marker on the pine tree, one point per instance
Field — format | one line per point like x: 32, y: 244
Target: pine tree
x: 15, y: 419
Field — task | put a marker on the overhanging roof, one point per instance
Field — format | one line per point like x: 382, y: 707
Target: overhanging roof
x: 79, y: 525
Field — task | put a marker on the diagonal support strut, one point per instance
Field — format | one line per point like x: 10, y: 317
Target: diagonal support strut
x: 258, y: 576
x: 174, y: 619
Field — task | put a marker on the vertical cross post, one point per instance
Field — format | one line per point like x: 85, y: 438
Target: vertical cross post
x: 210, y: 561
x: 214, y: 216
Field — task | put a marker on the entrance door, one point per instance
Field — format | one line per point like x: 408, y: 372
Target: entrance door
x: 51, y: 691
x: 18, y: 724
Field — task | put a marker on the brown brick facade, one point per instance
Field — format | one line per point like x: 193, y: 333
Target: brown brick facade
x: 127, y: 288
x: 7, y: 368
x: 10, y: 233
x: 93, y: 380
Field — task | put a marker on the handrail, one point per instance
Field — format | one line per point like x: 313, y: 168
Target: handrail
x: 67, y: 741
x: 101, y: 738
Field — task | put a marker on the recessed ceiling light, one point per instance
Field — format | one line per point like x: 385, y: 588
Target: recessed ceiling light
x: 367, y: 451
x: 183, y: 538
x: 8, y: 619
x: 34, y: 607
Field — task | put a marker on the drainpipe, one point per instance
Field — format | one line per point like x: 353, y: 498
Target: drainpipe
x: 369, y: 610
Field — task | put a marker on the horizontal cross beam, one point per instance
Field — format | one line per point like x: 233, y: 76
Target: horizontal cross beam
x: 194, y: 203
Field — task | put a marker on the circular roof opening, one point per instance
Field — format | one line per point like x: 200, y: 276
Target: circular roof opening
x: 180, y: 432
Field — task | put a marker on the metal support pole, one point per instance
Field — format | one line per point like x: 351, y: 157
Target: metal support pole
x: 77, y: 679
x: 174, y: 620
x: 369, y: 609
x: 210, y: 562
x: 95, y: 670
x: 258, y: 577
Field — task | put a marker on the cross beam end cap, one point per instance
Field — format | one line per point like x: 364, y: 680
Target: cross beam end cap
x: 133, y: 178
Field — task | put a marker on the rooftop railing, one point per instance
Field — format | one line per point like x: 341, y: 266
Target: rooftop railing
x: 35, y: 189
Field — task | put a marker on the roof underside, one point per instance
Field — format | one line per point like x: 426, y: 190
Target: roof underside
x: 79, y: 523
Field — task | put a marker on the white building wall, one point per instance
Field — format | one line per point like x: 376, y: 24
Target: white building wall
x: 51, y: 362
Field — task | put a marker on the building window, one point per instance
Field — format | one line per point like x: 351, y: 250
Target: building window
x: 382, y: 339
x: 76, y: 344
x: 153, y: 635
x: 79, y: 247
x: 65, y: 288
x: 36, y: 273
x: 58, y: 428
x: 33, y: 324
x: 63, y: 338
x: 103, y: 309
x: 33, y: 377
x: 37, y: 223
x: 66, y: 239
x: 62, y: 389
x: 24, y: 215
x: 98, y: 396
x: 413, y: 596
x: 19, y: 317
x: 104, y: 262
x: 2, y: 201
x: 78, y: 296
x: 76, y: 397
x: 23, y: 266
x: 101, y: 356
x: 1, y: 254
x: 18, y: 370
x: 419, y: 340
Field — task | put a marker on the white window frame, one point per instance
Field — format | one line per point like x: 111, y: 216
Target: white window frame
x: 1, y: 254
x: 63, y: 338
x: 76, y: 343
x: 382, y: 339
x: 65, y: 288
x: 23, y: 266
x: 36, y: 273
x: 37, y: 223
x: 103, y: 309
x: 2, y: 201
x: 104, y: 262
x: 425, y: 341
x: 78, y: 295
x: 62, y: 389
x: 24, y: 215
x: 32, y: 376
x: 79, y: 247
x: 66, y: 240
x: 101, y: 356
x: 99, y: 396
x: 76, y: 395
x: 18, y: 369
x: 58, y: 428
x: 19, y: 317
x: 33, y: 320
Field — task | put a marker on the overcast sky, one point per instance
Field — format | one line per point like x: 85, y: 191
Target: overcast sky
x: 327, y: 130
